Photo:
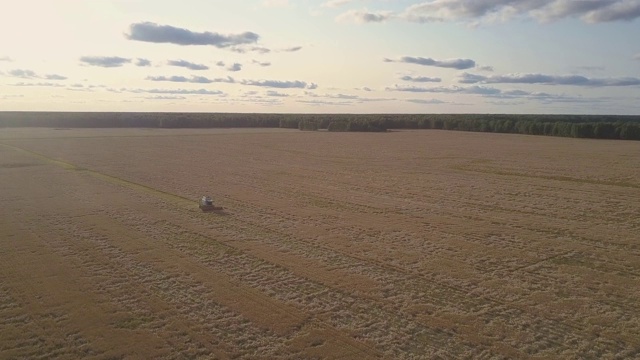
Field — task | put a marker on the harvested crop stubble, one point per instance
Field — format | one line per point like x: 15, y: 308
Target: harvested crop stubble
x: 408, y: 244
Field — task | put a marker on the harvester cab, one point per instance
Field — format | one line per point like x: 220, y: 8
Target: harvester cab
x: 206, y: 204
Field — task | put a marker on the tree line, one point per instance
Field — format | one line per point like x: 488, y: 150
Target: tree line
x: 577, y: 126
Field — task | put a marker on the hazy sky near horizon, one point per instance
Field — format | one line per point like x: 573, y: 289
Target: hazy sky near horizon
x: 319, y: 56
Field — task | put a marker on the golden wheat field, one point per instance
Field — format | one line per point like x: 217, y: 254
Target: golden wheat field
x: 399, y: 245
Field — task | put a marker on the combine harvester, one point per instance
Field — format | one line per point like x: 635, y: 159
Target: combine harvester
x: 206, y: 205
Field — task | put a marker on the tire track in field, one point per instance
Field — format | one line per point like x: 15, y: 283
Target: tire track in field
x: 497, y: 315
x: 320, y: 200
x: 356, y: 348
x: 182, y: 307
x: 137, y: 188
x: 179, y: 200
x: 471, y: 168
x: 258, y: 227
x: 304, y: 289
x: 174, y: 216
x: 561, y: 332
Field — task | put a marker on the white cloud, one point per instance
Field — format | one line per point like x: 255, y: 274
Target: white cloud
x: 165, y: 97
x: 420, y: 78
x: 39, y: 84
x: 154, y: 33
x: 364, y: 16
x: 105, y: 61
x: 575, y: 80
x: 279, y: 84
x: 176, y: 91
x: 590, y: 11
x: 261, y: 63
x: 459, y: 64
x: 234, y: 67
x: 478, y: 90
x: 427, y: 101
x: 30, y: 74
x: 193, y: 79
x: 142, y: 62
x: 276, y: 94
x: 187, y: 64
x: 292, y: 49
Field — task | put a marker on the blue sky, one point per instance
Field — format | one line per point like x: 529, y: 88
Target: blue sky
x: 336, y: 56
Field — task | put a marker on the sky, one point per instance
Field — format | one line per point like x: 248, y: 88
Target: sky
x: 321, y: 56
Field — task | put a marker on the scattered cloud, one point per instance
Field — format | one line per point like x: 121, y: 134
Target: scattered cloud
x: 6, y: 58
x: 574, y: 80
x: 292, y: 49
x: 262, y: 83
x: 497, y: 93
x: 485, y: 68
x: 590, y: 11
x: 341, y: 96
x: 335, y: 3
x: 459, y: 64
x: 259, y: 100
x: 467, y: 78
x: 105, y: 61
x: 193, y: 79
x: 39, y: 84
x: 276, y: 94
x: 636, y: 57
x: 30, y: 74
x: 351, y: 98
x: 621, y: 10
x: 421, y: 78
x: 234, y: 67
x: 55, y: 77
x: 185, y: 91
x: 325, y: 102
x: 220, y: 63
x: 364, y: 16
x: 165, y: 97
x: 26, y: 74
x: 361, y: 100
x: 172, y: 91
x: 152, y: 32
x: 506, y: 103
x: 427, y: 101
x: 478, y: 90
x: 82, y: 87
x: 241, y: 49
x: 365, y: 89
x: 187, y: 64
x: 263, y: 64
x: 142, y: 62
x: 279, y: 84
x: 544, y: 97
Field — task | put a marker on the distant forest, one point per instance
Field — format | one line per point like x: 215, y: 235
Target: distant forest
x: 577, y: 126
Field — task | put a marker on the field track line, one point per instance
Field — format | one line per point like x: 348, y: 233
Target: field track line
x: 339, y: 336
x: 189, y: 203
x: 418, y: 276
x: 469, y: 168
x: 103, y: 176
